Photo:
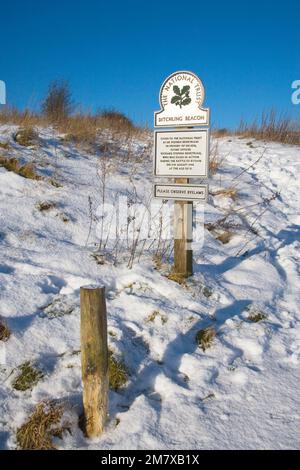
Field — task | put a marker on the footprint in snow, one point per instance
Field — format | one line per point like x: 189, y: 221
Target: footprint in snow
x: 61, y: 305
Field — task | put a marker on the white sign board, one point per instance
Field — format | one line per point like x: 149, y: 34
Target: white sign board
x: 181, y: 98
x: 2, y: 92
x: 190, y: 192
x: 182, y: 153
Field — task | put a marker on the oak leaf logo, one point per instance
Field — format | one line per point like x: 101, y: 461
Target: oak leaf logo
x: 181, y: 97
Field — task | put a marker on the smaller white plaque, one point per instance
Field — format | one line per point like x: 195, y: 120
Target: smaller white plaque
x: 185, y: 192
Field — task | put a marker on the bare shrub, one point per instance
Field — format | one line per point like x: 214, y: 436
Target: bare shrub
x: 115, y: 120
x: 58, y: 104
x: 223, y: 132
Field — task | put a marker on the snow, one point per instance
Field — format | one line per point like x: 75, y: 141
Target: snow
x: 242, y: 392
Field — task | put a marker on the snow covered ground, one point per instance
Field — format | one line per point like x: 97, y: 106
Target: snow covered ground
x: 242, y: 392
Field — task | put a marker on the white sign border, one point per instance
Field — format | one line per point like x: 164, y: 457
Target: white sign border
x: 186, y: 185
x: 206, y: 130
x: 162, y: 108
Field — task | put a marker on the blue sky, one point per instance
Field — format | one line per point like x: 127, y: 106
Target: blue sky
x: 117, y: 53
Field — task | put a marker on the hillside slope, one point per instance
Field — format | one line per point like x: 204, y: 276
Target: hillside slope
x: 243, y: 391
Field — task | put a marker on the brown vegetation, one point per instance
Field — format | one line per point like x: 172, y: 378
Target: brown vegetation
x: 204, y: 338
x: 58, y: 111
x: 41, y: 427
x: 271, y: 127
x: 28, y: 376
x: 26, y: 136
x: 4, y: 331
x: 26, y: 171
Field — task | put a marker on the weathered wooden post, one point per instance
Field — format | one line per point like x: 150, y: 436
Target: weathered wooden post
x: 183, y: 236
x: 182, y: 154
x: 94, y: 359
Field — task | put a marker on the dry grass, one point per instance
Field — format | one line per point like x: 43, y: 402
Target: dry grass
x: 156, y: 314
x: 26, y: 136
x: 4, y: 330
x: 26, y: 118
x: 255, y: 314
x: 81, y: 128
x: 28, y: 376
x: 215, y: 160
x: 26, y: 171
x: 224, y: 132
x: 4, y: 145
x: 227, y: 192
x: 224, y: 237
x: 273, y: 128
x: 112, y: 119
x: 86, y: 128
x: 45, y: 206
x: 223, y: 229
x: 118, y: 374
x: 179, y: 278
x: 42, y: 426
x: 151, y: 317
x: 204, y: 338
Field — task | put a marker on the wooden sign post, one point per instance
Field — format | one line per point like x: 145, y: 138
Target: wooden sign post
x: 182, y: 154
x: 183, y: 235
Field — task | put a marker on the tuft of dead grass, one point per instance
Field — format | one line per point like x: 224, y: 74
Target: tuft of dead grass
x: 255, y: 314
x: 215, y: 160
x: 223, y: 229
x: 226, y: 192
x: 179, y: 278
x: 45, y: 206
x: 204, y: 338
x: 118, y: 374
x: 4, y: 331
x: 28, y: 376
x: 42, y: 426
x: 26, y: 136
x: 156, y: 314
